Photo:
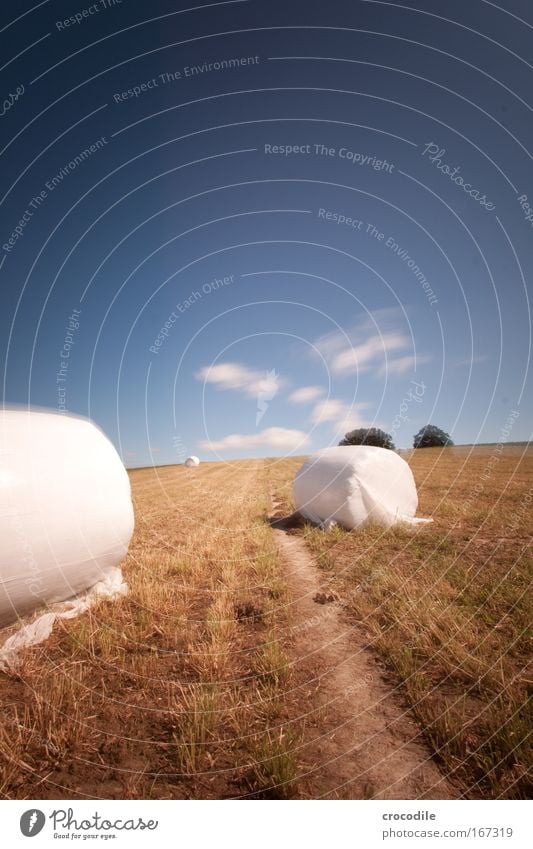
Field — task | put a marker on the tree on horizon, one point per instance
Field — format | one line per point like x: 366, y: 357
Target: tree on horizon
x: 369, y: 436
x: 431, y: 436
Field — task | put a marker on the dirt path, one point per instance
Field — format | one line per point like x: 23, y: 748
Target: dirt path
x: 360, y: 740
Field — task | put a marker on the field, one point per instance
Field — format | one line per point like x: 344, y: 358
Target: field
x: 257, y: 659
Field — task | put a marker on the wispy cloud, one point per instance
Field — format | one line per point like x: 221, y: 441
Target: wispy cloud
x: 369, y: 353
x: 329, y: 410
x: 341, y: 414
x: 305, y: 394
x: 371, y: 345
x: 402, y: 364
x: 240, y: 378
x: 272, y: 437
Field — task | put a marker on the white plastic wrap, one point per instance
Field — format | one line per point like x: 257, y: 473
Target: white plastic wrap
x: 39, y: 629
x: 66, y: 516
x: 192, y: 461
x: 354, y: 485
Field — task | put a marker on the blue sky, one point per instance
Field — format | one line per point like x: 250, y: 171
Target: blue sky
x: 257, y: 258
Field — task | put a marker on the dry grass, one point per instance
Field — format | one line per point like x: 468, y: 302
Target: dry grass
x: 448, y: 607
x: 184, y: 688
x: 175, y: 690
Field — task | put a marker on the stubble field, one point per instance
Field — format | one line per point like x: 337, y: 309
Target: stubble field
x: 257, y: 660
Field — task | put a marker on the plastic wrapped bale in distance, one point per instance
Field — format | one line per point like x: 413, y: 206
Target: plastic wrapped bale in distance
x: 192, y: 461
x: 66, y: 516
x: 356, y: 485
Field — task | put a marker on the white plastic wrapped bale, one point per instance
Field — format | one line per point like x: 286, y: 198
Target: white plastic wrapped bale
x: 66, y: 516
x: 192, y: 461
x: 355, y: 485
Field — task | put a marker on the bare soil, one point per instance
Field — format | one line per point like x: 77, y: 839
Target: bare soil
x: 360, y: 741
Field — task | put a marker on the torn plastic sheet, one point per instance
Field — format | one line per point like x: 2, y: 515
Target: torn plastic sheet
x: 37, y: 631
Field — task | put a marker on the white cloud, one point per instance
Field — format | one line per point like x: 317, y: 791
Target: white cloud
x: 237, y: 377
x: 330, y: 343
x: 402, y: 364
x: 361, y: 357
x: 366, y: 325
x: 272, y: 437
x: 370, y: 345
x: 341, y: 414
x: 305, y: 394
x: 329, y: 410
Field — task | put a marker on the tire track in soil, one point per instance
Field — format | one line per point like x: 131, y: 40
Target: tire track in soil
x: 365, y: 743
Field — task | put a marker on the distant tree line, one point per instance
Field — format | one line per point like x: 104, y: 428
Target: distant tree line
x: 368, y: 436
x: 429, y: 436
